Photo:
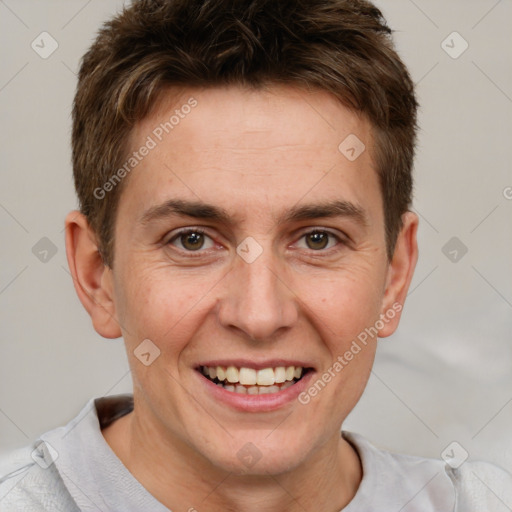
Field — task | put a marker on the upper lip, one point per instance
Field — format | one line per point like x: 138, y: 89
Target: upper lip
x: 256, y: 365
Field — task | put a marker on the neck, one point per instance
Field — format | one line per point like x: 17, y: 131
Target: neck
x: 181, y: 479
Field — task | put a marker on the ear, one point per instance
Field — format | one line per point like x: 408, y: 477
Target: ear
x: 91, y: 276
x: 399, y: 276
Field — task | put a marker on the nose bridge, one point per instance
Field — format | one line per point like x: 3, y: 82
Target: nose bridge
x: 260, y: 281
x: 256, y: 301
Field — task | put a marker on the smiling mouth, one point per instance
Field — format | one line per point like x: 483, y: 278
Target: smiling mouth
x: 248, y: 381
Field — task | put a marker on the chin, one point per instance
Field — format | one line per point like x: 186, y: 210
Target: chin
x: 258, y: 458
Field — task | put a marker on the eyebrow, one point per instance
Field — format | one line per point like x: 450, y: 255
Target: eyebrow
x: 327, y: 209
x: 200, y: 210
x: 185, y: 208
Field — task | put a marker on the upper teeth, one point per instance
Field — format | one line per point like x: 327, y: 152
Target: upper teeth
x: 250, y: 376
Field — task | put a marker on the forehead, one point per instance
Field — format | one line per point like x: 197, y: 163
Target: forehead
x: 247, y: 116
x: 245, y: 147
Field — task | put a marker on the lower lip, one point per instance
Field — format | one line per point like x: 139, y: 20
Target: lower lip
x: 256, y: 403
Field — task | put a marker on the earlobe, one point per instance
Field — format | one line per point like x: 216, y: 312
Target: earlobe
x: 400, y: 272
x: 91, y: 277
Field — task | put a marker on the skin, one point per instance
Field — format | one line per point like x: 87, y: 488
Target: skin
x: 256, y: 154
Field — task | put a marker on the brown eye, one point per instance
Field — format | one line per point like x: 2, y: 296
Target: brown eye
x: 191, y: 240
x: 317, y: 240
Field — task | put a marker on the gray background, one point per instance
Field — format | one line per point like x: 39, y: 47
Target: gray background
x: 444, y: 376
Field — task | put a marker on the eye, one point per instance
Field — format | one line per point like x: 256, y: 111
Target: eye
x: 318, y: 240
x: 191, y: 240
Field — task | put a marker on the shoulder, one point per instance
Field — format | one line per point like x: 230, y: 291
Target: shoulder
x: 59, y: 472
x: 30, y: 482
x: 482, y: 486
x: 432, y: 484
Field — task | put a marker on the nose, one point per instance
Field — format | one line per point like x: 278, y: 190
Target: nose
x: 256, y: 298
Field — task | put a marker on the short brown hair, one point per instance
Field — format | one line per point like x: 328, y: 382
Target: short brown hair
x: 340, y: 46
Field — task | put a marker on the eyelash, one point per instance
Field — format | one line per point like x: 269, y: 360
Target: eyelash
x: 201, y: 231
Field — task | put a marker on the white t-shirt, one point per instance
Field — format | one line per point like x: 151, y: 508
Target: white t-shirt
x: 72, y: 469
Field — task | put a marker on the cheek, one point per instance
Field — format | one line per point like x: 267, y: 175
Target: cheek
x: 341, y: 309
x: 343, y: 304
x: 164, y: 306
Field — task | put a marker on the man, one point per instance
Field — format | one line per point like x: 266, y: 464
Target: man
x: 244, y: 178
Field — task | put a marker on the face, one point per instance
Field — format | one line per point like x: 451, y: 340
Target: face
x: 246, y: 240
